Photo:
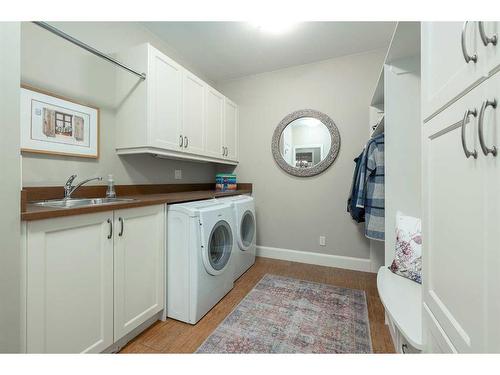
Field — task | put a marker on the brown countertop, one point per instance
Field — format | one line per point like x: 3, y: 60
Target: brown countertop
x: 145, y: 197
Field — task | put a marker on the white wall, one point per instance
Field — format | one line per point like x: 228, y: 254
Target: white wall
x: 53, y: 64
x: 10, y: 251
x: 293, y: 212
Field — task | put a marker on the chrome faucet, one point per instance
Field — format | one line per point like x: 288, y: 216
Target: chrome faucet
x: 70, y: 189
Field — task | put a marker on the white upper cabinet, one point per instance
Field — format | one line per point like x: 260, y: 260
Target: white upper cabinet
x: 69, y: 284
x: 165, y: 85
x: 214, y: 123
x: 172, y: 113
x: 230, y: 130
x: 138, y: 266
x: 193, y: 114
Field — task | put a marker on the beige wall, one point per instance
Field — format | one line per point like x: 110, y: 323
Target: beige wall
x: 10, y: 251
x: 293, y: 212
x: 53, y: 64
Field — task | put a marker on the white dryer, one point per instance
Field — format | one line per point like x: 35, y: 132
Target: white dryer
x: 245, y: 231
x: 199, y: 269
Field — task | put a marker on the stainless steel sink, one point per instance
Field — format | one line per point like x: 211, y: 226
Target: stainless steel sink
x: 76, y: 202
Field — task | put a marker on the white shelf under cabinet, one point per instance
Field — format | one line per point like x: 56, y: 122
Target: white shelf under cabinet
x: 402, y: 299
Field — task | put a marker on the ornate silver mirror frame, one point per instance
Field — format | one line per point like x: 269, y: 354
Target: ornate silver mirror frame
x: 321, y: 166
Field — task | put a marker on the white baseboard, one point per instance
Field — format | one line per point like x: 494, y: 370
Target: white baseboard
x: 356, y: 264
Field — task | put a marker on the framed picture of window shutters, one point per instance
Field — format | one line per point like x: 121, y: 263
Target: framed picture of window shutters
x: 52, y: 124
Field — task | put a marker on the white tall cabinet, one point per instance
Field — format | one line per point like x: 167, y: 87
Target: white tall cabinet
x: 461, y: 185
x: 91, y: 279
x: 172, y: 113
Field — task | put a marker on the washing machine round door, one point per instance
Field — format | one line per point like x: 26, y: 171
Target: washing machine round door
x: 247, y: 230
x: 218, y: 250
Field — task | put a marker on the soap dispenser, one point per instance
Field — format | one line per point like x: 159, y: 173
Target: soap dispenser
x: 110, y: 193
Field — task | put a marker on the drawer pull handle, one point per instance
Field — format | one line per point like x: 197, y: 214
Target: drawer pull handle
x: 485, y: 38
x: 110, y: 229
x: 486, y: 149
x: 468, y: 153
x: 467, y: 57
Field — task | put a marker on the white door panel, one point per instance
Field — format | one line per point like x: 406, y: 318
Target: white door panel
x: 491, y: 131
x: 214, y: 122
x: 231, y: 129
x: 193, y: 114
x: 138, y: 266
x: 70, y: 284
x: 455, y: 226
x: 166, y: 101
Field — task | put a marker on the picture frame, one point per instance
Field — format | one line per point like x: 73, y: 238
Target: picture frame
x: 55, y: 125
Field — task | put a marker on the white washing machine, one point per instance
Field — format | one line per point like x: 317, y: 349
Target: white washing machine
x: 245, y: 232
x: 200, y: 246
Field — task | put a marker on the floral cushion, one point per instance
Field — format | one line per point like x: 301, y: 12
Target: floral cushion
x: 408, y: 257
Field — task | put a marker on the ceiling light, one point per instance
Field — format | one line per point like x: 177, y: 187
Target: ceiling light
x: 274, y: 27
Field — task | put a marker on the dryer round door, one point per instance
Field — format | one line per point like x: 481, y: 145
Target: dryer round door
x: 218, y: 249
x: 246, y: 230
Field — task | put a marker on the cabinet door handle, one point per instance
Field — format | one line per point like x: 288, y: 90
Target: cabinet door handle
x: 110, y: 229
x: 227, y: 151
x: 486, y: 149
x: 223, y: 150
x: 467, y: 57
x: 181, y: 140
x: 186, y: 142
x: 468, y: 153
x: 485, y: 38
x: 121, y: 226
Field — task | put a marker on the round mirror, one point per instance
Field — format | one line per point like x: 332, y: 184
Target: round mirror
x: 305, y: 143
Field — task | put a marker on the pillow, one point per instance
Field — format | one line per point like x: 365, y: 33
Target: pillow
x: 408, y: 257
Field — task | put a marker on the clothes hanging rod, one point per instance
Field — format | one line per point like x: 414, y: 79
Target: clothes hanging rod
x: 88, y: 48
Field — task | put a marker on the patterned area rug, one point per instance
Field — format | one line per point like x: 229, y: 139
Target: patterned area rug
x: 285, y: 315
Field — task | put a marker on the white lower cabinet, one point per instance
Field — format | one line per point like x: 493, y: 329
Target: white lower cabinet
x: 87, y: 285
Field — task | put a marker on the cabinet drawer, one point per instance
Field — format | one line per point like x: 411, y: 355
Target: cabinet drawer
x: 446, y: 74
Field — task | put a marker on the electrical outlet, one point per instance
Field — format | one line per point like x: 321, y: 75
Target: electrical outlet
x: 178, y: 174
x: 322, y: 240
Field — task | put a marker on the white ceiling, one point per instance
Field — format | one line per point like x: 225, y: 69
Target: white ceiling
x: 227, y: 50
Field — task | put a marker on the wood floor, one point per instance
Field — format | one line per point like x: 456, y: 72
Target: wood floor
x: 173, y: 336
